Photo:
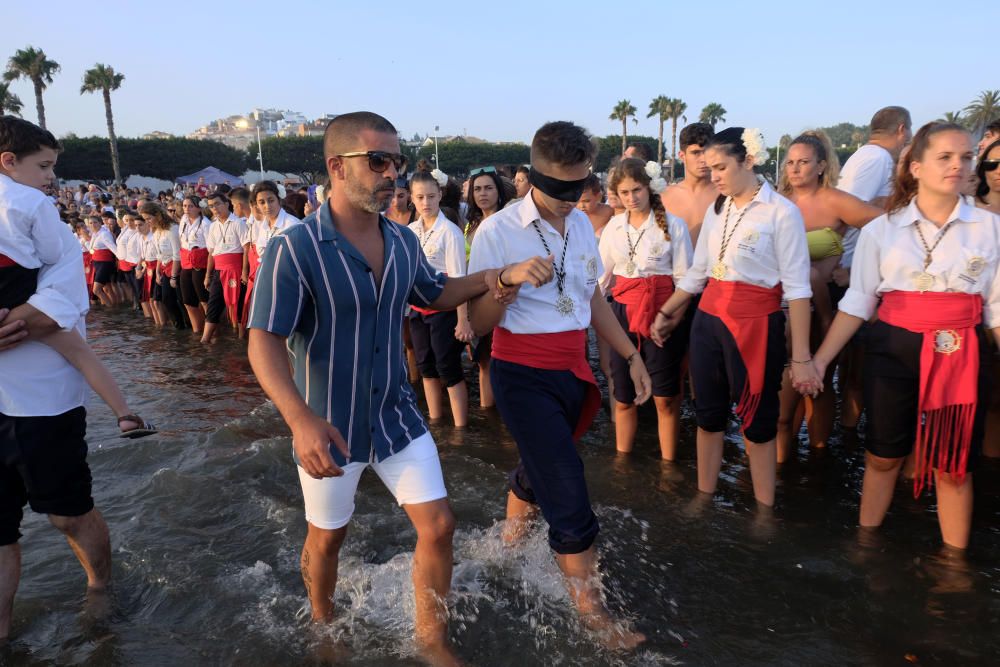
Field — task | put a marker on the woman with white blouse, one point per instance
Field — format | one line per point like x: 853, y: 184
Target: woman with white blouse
x: 168, y: 266
x: 267, y: 219
x: 102, y: 249
x: 644, y: 252
x: 438, y: 337
x: 929, y: 269
x: 194, y: 262
x: 751, y: 252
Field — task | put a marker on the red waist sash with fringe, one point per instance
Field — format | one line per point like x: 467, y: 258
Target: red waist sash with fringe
x: 949, y: 375
x: 642, y: 297
x: 563, y: 351
x: 195, y: 258
x: 230, y: 268
x: 103, y: 255
x: 744, y: 309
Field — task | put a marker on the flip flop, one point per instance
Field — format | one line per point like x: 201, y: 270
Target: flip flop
x: 141, y: 431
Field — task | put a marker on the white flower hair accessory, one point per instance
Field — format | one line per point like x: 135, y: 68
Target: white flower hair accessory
x: 281, y: 190
x: 440, y: 177
x: 654, y: 170
x: 320, y: 193
x: 753, y: 140
x: 657, y: 185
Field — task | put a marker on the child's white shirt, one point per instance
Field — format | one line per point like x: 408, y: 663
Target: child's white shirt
x: 30, y: 227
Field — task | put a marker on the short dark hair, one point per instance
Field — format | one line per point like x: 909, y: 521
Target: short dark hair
x: 522, y: 170
x: 22, y: 137
x: 993, y: 126
x: 218, y: 194
x: 888, y: 119
x: 593, y: 184
x: 563, y: 143
x: 342, y: 132
x: 697, y: 134
x: 240, y: 194
x: 645, y: 153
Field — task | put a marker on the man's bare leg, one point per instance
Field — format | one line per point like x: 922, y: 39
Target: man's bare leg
x: 432, y: 564
x: 519, y: 516
x: 10, y: 575
x: 89, y: 539
x: 319, y: 562
x: 582, y: 581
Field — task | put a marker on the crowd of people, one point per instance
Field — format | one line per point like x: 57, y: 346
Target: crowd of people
x: 882, y: 273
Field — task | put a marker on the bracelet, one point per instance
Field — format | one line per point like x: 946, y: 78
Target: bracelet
x: 632, y: 357
x: 500, y: 283
x: 796, y: 361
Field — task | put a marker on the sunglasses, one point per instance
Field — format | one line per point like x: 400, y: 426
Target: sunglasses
x: 378, y: 161
x: 990, y: 165
x: 482, y: 170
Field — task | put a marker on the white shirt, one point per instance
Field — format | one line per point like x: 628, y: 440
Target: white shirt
x: 867, y: 175
x: 193, y: 233
x: 30, y: 228
x: 35, y: 380
x: 150, y: 251
x: 653, y: 254
x: 260, y: 232
x: 224, y: 238
x: 121, y: 243
x: 168, y: 244
x: 890, y: 256
x: 103, y: 240
x: 508, y: 237
x: 133, y: 248
x: 768, y: 247
x: 443, y: 245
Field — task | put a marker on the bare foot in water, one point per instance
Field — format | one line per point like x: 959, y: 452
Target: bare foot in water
x: 520, y: 514
x: 438, y: 653
x: 614, y: 635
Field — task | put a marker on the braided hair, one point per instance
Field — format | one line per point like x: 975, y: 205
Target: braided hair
x: 635, y: 169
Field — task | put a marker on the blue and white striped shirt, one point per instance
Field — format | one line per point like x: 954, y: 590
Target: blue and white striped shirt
x: 344, y: 331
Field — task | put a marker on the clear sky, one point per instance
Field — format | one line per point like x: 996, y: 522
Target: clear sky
x: 498, y: 70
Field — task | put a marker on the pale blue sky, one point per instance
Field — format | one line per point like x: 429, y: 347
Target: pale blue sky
x: 498, y: 70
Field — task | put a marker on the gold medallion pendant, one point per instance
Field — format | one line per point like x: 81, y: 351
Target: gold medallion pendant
x: 565, y: 305
x: 947, y: 341
x: 719, y: 271
x: 924, y: 281
x: 630, y: 267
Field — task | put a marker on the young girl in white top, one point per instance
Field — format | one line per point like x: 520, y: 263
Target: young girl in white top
x: 751, y: 252
x: 929, y: 267
x: 645, y: 251
x: 438, y: 337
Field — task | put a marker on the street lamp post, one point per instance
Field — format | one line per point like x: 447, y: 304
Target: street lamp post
x: 437, y: 162
x: 260, y: 153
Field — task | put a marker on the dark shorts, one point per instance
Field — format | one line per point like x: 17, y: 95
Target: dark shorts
x: 540, y: 409
x: 192, y: 286
x: 892, y: 389
x: 43, y: 462
x: 438, y: 352
x: 104, y: 272
x: 718, y: 375
x: 17, y: 285
x: 216, y: 307
x: 662, y: 363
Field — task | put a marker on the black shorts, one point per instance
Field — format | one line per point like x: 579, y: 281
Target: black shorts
x: 892, y: 389
x: 438, y: 352
x: 662, y: 363
x: 192, y: 286
x: 17, y: 285
x: 718, y: 375
x: 43, y: 462
x: 104, y: 272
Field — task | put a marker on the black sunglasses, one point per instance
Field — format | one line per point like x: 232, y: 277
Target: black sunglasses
x: 378, y: 161
x: 482, y: 170
x: 990, y: 165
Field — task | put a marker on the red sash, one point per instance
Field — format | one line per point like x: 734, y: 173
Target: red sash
x: 563, y: 351
x: 125, y: 266
x: 425, y: 311
x: 195, y: 258
x: 230, y: 268
x: 103, y: 255
x: 88, y: 268
x: 147, y: 280
x: 6, y: 261
x: 949, y: 375
x: 744, y: 309
x: 254, y: 260
x: 642, y: 297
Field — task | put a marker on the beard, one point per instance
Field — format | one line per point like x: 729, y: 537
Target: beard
x: 370, y: 201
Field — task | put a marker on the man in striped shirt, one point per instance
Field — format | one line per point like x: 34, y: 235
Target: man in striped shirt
x: 330, y: 293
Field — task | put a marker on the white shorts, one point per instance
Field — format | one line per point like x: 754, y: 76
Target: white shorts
x: 412, y: 476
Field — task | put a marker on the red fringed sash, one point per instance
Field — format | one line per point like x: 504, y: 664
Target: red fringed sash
x: 642, y: 297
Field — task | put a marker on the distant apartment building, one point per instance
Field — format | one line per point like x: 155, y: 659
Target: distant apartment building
x: 239, y: 131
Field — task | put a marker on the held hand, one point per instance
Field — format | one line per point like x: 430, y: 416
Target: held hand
x: 11, y: 333
x: 245, y: 278
x: 536, y: 271
x: 208, y: 282
x: 662, y: 327
x: 311, y: 440
x: 841, y: 276
x: 463, y: 331
x: 640, y: 380
x: 805, y: 379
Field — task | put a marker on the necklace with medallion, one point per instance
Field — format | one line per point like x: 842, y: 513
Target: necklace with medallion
x: 630, y: 265
x: 719, y: 270
x: 564, y: 303
x: 425, y: 237
x: 925, y: 280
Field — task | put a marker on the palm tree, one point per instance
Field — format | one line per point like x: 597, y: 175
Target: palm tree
x: 675, y: 109
x: 34, y: 65
x: 105, y: 79
x: 623, y: 111
x: 658, y: 108
x: 9, y: 102
x: 712, y: 113
x: 955, y: 117
x: 983, y: 110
